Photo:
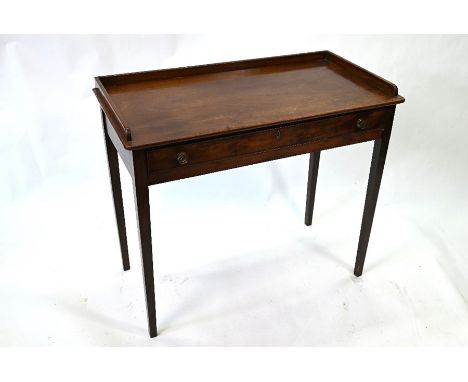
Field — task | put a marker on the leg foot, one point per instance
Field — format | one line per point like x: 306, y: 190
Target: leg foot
x: 144, y: 227
x: 375, y: 177
x: 114, y: 172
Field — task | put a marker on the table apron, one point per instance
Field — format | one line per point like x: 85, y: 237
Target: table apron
x: 188, y: 160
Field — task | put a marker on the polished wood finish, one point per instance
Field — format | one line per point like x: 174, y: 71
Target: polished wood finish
x: 114, y: 173
x: 377, y: 166
x: 176, y: 123
x: 142, y: 205
x: 168, y: 106
x: 314, y: 161
x: 262, y: 156
x: 235, y: 146
x: 110, y: 111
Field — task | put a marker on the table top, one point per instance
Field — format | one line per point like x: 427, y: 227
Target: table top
x: 162, y: 107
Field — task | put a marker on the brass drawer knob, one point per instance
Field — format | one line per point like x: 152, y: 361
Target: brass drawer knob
x: 182, y: 157
x: 361, y: 124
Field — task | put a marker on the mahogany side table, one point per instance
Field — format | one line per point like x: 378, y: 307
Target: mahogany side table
x: 177, y: 123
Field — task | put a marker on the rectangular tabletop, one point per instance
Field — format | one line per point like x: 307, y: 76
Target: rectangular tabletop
x: 162, y: 107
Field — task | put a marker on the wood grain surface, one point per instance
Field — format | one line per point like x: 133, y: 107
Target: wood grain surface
x: 170, y: 106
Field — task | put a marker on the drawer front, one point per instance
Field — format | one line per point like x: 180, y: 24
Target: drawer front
x: 262, y: 141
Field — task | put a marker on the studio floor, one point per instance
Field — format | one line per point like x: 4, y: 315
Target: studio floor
x: 234, y: 265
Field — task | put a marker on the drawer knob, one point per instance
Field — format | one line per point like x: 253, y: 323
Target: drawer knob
x: 182, y: 157
x: 361, y: 124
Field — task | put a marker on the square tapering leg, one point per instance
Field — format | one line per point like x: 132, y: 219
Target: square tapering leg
x: 114, y: 172
x: 314, y: 161
x: 375, y: 177
x: 144, y: 226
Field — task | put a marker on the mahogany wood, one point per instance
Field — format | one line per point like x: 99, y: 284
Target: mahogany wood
x: 176, y: 123
x: 125, y: 155
x: 169, y: 106
x: 263, y: 140
x: 142, y: 204
x: 114, y: 173
x: 377, y: 166
x: 314, y: 161
x: 261, y: 156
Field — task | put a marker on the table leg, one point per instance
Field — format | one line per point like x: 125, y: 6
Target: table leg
x: 378, y: 161
x: 114, y: 172
x: 144, y: 226
x: 311, y: 186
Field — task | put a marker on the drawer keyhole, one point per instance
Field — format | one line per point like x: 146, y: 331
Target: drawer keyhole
x: 182, y: 157
x: 278, y: 134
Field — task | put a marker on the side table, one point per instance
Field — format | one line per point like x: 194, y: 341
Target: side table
x: 176, y: 123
